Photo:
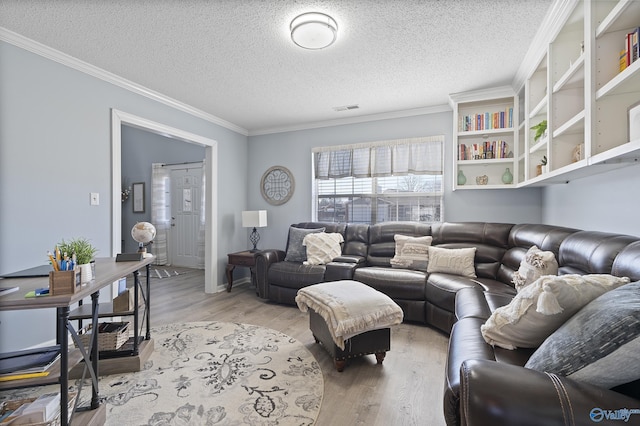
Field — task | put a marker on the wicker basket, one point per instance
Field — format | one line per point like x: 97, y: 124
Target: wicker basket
x: 14, y: 404
x: 111, y: 335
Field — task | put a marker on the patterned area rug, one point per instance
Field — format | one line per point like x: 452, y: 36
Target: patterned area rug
x: 215, y: 373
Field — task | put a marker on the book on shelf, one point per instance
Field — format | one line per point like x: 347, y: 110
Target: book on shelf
x: 8, y: 290
x: 631, y: 51
x: 635, y: 45
x: 487, y: 121
x: 483, y: 151
x: 623, y: 60
x: 35, y: 360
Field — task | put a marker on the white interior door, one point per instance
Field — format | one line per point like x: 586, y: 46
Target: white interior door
x: 186, y: 200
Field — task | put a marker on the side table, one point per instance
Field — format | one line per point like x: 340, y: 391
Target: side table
x: 245, y: 258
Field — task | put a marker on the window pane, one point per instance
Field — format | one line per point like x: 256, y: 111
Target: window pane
x: 402, y: 196
x: 416, y: 198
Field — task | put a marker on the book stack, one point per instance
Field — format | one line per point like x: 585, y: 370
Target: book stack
x: 43, y: 409
x: 484, y: 150
x: 631, y: 51
x: 28, y: 363
x: 487, y: 121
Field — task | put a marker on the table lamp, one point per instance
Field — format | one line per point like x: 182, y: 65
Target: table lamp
x: 254, y: 219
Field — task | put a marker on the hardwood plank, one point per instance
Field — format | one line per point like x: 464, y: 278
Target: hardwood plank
x: 406, y: 389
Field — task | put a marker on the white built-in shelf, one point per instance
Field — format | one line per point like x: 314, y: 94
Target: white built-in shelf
x: 623, y: 82
x: 574, y: 125
x: 486, y: 132
x: 538, y: 108
x: 628, y: 152
x: 572, y: 78
x: 561, y: 175
x: 487, y: 161
x: 585, y: 101
x: 622, y: 17
x: 541, y: 144
x: 475, y: 186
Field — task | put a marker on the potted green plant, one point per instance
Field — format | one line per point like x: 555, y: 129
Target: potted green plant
x: 542, y: 167
x: 83, y: 251
x: 540, y: 129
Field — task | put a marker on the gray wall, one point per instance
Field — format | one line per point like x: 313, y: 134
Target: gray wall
x: 55, y: 148
x: 140, y: 149
x: 293, y: 150
x: 606, y: 202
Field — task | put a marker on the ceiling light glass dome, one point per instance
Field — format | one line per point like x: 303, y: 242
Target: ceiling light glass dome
x: 314, y: 30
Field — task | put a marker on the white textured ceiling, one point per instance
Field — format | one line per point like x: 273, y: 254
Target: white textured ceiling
x: 235, y: 59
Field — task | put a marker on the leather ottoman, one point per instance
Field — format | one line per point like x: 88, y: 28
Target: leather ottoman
x: 349, y: 319
x: 370, y: 342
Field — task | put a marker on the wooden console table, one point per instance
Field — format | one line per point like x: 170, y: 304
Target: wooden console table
x: 107, y: 272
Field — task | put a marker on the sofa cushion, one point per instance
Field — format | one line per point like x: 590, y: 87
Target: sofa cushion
x: 598, y: 345
x: 535, y: 264
x: 395, y: 283
x: 452, y: 261
x: 591, y: 252
x: 322, y: 247
x: 540, y: 308
x: 411, y: 252
x: 296, y: 252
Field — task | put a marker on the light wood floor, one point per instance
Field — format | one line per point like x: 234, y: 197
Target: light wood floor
x: 405, y: 390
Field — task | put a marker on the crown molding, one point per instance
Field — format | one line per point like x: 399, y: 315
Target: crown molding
x: 555, y: 18
x: 481, y: 95
x: 354, y: 120
x: 84, y: 67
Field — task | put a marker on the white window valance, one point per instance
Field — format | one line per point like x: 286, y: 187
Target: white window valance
x: 421, y: 156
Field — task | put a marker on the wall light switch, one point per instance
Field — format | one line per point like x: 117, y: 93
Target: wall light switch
x: 95, y: 199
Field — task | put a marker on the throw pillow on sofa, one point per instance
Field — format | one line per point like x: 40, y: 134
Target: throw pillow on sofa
x: 296, y: 252
x: 411, y: 252
x: 322, y: 247
x: 452, y: 261
x: 535, y: 264
x: 540, y: 308
x: 598, y: 345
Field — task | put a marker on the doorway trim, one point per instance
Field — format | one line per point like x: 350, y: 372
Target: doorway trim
x: 120, y: 118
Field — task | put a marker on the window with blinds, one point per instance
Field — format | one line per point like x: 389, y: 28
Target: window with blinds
x: 397, y: 180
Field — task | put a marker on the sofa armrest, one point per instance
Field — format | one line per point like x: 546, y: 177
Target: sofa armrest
x: 349, y: 258
x: 336, y: 271
x: 342, y: 267
x: 264, y: 260
x: 494, y: 393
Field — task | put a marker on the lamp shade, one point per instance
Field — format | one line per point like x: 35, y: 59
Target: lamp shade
x: 313, y: 30
x: 254, y: 219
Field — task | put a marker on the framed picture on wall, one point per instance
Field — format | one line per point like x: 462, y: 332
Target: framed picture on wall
x: 138, y: 197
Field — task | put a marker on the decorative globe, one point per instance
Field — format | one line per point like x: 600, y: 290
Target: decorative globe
x: 143, y: 232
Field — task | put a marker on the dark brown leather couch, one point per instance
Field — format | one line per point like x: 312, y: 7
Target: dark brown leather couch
x: 483, y: 384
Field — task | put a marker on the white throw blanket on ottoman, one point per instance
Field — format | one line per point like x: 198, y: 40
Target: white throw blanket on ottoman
x: 349, y: 308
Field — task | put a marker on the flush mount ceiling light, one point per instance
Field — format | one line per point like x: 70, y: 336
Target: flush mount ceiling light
x: 314, y: 30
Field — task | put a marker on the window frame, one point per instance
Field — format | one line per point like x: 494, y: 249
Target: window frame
x: 374, y: 195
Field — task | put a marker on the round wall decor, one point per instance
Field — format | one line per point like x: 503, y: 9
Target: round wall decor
x: 277, y: 185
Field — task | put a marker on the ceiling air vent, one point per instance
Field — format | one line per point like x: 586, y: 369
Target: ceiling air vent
x: 346, y: 108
